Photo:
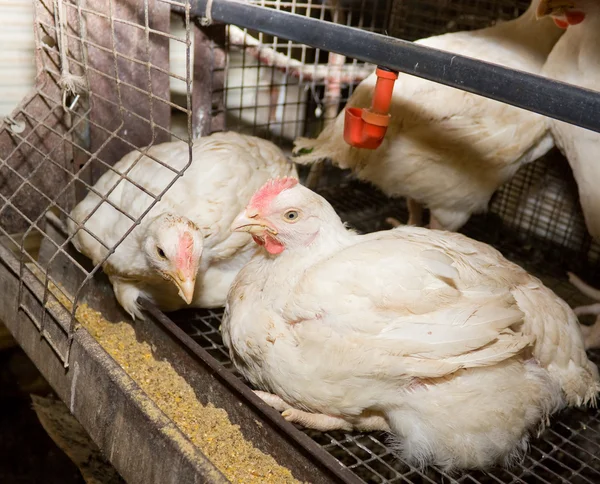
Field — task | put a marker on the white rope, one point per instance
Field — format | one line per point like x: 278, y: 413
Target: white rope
x: 207, y: 19
x: 70, y: 83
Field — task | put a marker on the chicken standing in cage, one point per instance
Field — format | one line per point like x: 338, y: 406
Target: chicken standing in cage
x: 447, y: 149
x: 575, y: 59
x: 430, y: 335
x: 183, y: 251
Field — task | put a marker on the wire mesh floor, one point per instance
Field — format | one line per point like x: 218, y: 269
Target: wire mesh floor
x: 567, y: 452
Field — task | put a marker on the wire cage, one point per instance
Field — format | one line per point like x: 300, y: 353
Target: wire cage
x: 123, y: 75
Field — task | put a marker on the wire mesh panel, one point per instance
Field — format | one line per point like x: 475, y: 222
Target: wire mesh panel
x: 121, y: 76
x: 102, y: 91
x: 281, y: 89
x: 416, y: 19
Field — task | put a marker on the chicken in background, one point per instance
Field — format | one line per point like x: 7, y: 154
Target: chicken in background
x: 446, y: 149
x: 426, y: 334
x: 576, y: 60
x: 183, y: 252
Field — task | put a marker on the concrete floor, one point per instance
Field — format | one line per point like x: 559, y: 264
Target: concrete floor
x: 27, y: 453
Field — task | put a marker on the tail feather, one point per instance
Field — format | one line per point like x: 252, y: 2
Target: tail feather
x: 328, y: 145
x: 559, y: 345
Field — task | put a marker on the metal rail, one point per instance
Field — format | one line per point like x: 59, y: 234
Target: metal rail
x: 539, y: 94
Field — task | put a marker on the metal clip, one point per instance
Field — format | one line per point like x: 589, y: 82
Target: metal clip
x: 73, y: 102
x: 16, y: 127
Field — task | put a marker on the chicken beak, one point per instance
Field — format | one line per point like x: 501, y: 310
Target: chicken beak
x: 548, y: 7
x: 186, y: 287
x: 252, y: 225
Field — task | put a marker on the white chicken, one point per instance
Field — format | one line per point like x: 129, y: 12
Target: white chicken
x: 446, y: 149
x: 427, y: 334
x: 183, y: 251
x: 575, y: 59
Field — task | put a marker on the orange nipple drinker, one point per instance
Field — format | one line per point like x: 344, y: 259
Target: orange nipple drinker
x: 365, y: 128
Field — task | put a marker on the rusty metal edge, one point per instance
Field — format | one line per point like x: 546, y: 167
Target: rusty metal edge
x: 301, y: 441
x: 119, y: 417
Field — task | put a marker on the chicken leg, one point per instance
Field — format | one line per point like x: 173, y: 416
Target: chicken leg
x: 591, y: 335
x: 272, y: 400
x: 319, y: 421
x: 415, y: 214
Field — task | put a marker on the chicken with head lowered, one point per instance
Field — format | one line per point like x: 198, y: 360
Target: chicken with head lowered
x: 429, y: 335
x: 183, y: 252
x: 445, y: 149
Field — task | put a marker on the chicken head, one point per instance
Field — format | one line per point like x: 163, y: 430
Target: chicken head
x: 566, y: 12
x: 283, y: 214
x: 173, y: 246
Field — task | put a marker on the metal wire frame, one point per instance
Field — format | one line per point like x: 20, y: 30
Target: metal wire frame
x: 366, y: 455
x: 542, y: 201
x: 565, y: 450
x: 353, y: 13
x: 51, y: 65
x: 76, y: 117
x: 304, y: 68
x: 568, y: 451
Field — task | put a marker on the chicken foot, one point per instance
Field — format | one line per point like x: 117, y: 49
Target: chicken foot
x: 319, y: 421
x: 415, y: 214
x: 591, y: 334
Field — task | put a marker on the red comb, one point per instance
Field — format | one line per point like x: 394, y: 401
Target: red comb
x: 265, y: 195
x: 575, y: 17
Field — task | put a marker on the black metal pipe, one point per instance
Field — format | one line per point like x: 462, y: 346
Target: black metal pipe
x: 535, y: 93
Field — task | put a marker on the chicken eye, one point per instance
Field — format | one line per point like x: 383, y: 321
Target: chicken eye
x: 161, y: 253
x: 291, y: 215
